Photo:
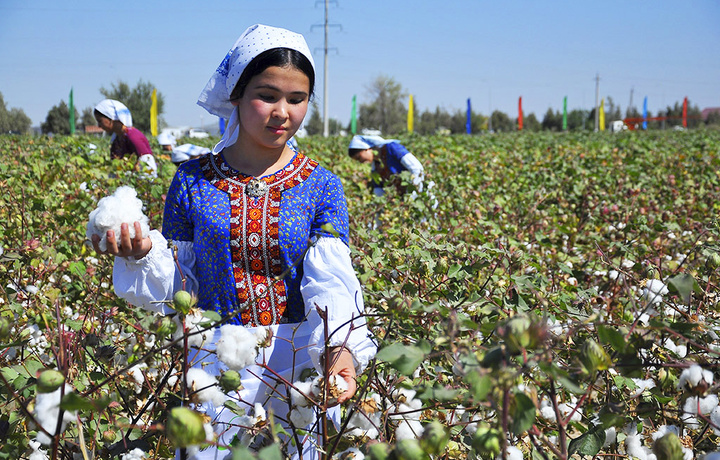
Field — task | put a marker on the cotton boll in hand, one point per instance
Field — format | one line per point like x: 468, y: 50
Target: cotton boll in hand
x: 112, y: 211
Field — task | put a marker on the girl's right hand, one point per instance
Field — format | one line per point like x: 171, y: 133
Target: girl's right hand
x: 137, y: 247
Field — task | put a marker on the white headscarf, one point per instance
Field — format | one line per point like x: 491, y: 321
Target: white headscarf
x: 362, y: 142
x: 166, y: 139
x: 115, y: 110
x: 215, y: 97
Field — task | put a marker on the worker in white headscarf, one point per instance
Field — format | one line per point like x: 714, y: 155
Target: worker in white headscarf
x: 180, y: 153
x: 115, y: 118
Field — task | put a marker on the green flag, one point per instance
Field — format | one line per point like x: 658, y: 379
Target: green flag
x: 353, y: 116
x: 565, y: 113
x: 72, y: 113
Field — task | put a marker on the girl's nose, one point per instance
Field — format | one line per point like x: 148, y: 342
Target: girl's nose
x: 280, y: 110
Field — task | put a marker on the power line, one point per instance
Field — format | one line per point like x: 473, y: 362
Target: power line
x: 326, y: 26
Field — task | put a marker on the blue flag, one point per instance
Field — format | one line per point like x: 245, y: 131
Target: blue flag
x: 468, y: 123
x: 221, y: 125
x: 644, y: 125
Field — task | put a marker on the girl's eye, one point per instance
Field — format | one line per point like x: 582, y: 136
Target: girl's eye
x: 267, y: 97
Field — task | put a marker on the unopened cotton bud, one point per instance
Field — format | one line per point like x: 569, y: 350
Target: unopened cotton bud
x: 49, y: 381
x: 185, y: 427
x: 668, y: 448
x: 183, y: 302
x: 410, y: 449
x: 594, y: 357
x: 378, y: 451
x: 230, y: 380
x: 434, y: 438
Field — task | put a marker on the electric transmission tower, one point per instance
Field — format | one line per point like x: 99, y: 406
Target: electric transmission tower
x: 326, y: 26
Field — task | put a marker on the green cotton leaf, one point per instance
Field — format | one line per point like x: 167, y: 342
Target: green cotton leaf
x: 588, y: 443
x: 480, y: 385
x: 454, y: 270
x: 75, y: 402
x: 438, y: 393
x: 562, y: 378
x: 241, y: 453
x: 683, y: 284
x: 213, y: 316
x: 523, y: 415
x: 77, y: 268
x: 270, y: 453
x: 404, y: 358
x: 612, y: 337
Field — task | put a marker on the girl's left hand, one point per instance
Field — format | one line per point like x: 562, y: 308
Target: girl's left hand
x: 342, y: 364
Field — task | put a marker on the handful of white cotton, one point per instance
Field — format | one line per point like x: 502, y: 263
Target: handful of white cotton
x: 112, y: 211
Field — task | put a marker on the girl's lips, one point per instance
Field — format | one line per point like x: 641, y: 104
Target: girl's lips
x: 277, y: 130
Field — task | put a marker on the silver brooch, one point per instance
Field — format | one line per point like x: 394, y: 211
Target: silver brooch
x: 256, y: 188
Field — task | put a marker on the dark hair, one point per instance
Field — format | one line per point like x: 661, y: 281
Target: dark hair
x: 97, y: 113
x: 353, y: 152
x: 276, y: 57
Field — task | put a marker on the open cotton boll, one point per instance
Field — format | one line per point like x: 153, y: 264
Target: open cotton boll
x: 47, y: 412
x: 237, y: 347
x: 204, y: 387
x: 123, y: 206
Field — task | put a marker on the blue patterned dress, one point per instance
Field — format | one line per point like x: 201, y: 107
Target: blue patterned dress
x: 248, y: 248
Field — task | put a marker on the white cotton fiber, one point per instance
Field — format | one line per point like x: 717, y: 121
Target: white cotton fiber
x: 112, y: 211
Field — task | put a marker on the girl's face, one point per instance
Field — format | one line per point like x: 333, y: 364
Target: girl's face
x: 273, y: 106
x: 364, y: 156
x: 104, y: 123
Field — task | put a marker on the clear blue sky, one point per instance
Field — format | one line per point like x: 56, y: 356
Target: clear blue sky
x: 442, y: 52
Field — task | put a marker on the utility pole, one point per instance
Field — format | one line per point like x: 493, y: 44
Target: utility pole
x: 326, y: 27
x: 627, y: 112
x: 597, y: 102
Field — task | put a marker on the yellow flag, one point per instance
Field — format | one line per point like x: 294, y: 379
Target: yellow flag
x: 602, y: 115
x: 153, y: 114
x: 411, y: 110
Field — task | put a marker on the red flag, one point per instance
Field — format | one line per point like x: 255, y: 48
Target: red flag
x: 685, y: 113
x: 520, y: 114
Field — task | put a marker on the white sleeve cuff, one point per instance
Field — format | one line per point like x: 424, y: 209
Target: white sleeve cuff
x: 149, y: 281
x: 329, y: 283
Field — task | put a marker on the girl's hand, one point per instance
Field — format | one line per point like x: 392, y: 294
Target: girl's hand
x: 137, y: 247
x: 342, y: 364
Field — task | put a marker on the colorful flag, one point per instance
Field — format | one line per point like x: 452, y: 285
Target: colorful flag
x: 685, y: 113
x: 602, y: 114
x: 468, y: 122
x: 410, y: 116
x: 221, y: 125
x: 565, y: 113
x: 154, y: 114
x: 644, y: 123
x: 353, y: 116
x: 72, y: 113
x: 520, y: 117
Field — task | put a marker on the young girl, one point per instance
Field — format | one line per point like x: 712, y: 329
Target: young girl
x: 114, y: 118
x: 261, y: 231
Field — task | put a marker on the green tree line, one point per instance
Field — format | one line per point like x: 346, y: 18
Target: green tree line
x: 386, y: 112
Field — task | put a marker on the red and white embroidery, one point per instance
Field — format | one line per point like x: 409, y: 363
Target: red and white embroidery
x: 254, y: 235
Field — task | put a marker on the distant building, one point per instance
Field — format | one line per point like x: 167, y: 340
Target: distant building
x: 710, y: 110
x: 94, y: 129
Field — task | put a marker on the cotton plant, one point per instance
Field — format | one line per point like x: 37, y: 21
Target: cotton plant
x: 366, y: 419
x: 237, y: 347
x: 406, y: 411
x: 654, y: 290
x: 696, y: 405
x: 204, y: 387
x: 123, y: 206
x: 47, y: 413
x: 135, y: 454
x: 695, y: 378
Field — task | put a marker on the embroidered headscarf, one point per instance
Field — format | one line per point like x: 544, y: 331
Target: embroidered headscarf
x: 362, y: 142
x: 115, y: 110
x: 215, y: 97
